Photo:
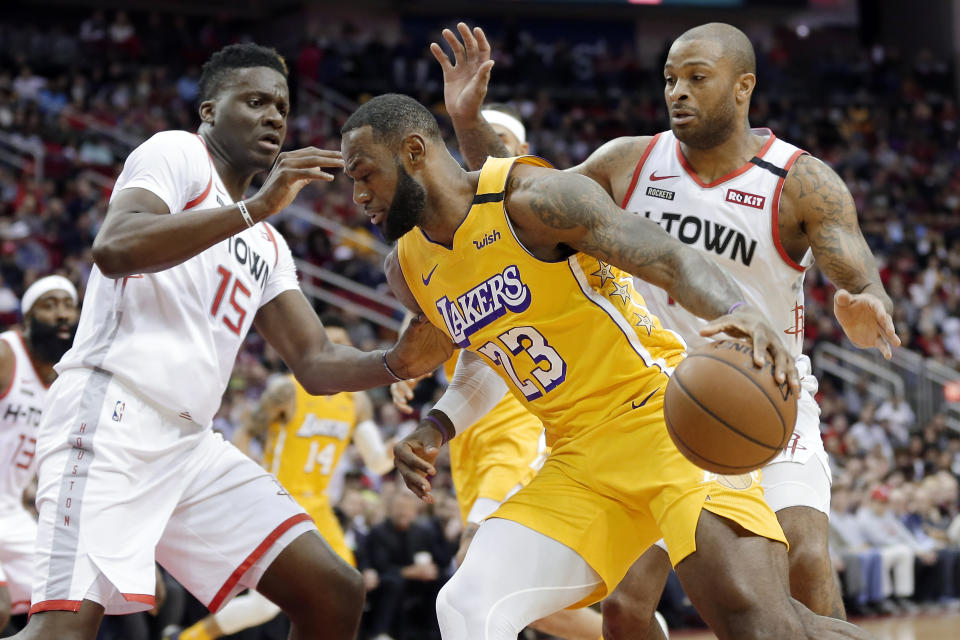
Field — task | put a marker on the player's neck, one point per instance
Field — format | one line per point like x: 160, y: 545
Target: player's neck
x: 44, y: 369
x: 728, y: 156
x: 235, y: 179
x: 450, y: 192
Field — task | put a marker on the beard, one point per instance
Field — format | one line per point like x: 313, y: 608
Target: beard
x: 45, y: 343
x: 711, y: 130
x: 406, y: 209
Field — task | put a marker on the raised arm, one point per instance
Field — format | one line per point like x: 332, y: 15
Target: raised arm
x: 465, y: 82
x: 554, y: 210
x: 464, y: 88
x: 817, y: 200
x: 277, y: 404
x: 139, y: 236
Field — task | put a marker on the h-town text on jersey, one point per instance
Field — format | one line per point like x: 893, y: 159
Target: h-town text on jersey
x: 247, y: 256
x: 717, y: 238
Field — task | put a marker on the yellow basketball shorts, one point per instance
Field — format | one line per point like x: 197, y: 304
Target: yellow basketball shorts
x: 327, y: 524
x: 490, y: 460
x: 612, y: 490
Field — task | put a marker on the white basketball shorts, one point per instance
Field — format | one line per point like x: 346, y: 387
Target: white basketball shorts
x: 124, y: 483
x: 18, y: 533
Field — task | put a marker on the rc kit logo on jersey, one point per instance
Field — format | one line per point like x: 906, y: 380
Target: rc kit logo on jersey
x: 746, y: 199
x: 490, y: 238
x: 660, y: 193
x: 483, y: 304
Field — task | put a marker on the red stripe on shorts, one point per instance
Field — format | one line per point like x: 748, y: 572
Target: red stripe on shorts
x: 56, y: 605
x: 234, y: 578
x: 140, y: 597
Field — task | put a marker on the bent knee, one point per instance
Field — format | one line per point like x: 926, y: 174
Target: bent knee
x: 464, y: 614
x: 811, y: 560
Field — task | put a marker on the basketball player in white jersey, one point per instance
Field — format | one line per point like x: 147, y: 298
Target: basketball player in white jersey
x: 277, y: 412
x: 764, y: 210
x: 49, y: 309
x: 129, y: 468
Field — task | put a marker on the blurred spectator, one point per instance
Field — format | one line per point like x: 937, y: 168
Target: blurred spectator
x: 401, y: 551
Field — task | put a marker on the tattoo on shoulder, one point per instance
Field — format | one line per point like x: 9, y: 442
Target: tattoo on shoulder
x: 561, y: 205
x: 828, y: 215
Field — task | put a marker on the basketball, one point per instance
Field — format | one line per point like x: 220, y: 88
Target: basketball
x: 726, y: 415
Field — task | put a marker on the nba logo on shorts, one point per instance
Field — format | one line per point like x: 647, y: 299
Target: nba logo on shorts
x: 118, y: 411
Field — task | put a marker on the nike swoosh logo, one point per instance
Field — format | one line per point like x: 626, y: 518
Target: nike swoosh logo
x: 654, y: 177
x: 426, y: 280
x: 644, y: 401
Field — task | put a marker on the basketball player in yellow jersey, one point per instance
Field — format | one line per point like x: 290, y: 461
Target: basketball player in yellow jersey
x: 528, y: 273
x: 709, y: 78
x: 306, y: 436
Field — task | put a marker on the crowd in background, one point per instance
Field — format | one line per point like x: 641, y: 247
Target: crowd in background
x: 77, y: 95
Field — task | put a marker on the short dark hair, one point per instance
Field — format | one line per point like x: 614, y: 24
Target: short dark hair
x: 237, y: 56
x: 393, y: 116
x: 503, y: 107
x: 333, y: 321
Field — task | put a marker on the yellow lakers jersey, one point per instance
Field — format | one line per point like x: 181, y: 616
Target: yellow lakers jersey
x: 572, y: 338
x: 303, y: 453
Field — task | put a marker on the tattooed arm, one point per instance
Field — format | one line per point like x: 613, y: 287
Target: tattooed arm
x: 554, y: 211
x: 817, y: 204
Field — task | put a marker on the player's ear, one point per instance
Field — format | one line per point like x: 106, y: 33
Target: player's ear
x: 207, y: 110
x: 744, y: 87
x: 413, y: 149
x: 524, y: 148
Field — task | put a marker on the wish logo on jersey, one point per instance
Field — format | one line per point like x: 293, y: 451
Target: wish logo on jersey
x: 483, y: 304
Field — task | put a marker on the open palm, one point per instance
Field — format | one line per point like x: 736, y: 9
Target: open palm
x: 465, y: 80
x: 865, y: 321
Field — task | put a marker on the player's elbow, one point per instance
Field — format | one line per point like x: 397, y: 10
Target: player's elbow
x: 110, y: 258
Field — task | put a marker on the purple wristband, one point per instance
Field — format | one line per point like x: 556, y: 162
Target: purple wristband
x: 442, y: 429
x: 735, y: 306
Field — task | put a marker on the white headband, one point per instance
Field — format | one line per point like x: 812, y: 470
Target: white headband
x: 504, y: 120
x: 44, y: 286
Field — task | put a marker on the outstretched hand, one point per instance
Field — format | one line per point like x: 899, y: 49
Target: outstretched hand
x: 414, y: 457
x: 402, y: 393
x: 465, y: 80
x: 747, y: 323
x: 865, y: 321
x: 292, y: 171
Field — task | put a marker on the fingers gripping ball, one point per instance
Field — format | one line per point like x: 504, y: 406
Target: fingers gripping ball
x: 726, y: 415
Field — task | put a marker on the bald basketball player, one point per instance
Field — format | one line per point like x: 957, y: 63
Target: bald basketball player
x: 714, y: 183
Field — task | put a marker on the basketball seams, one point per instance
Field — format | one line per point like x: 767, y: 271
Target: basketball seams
x: 690, y: 453
x: 713, y: 415
x: 776, y: 409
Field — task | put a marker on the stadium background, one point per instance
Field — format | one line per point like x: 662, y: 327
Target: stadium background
x: 869, y: 86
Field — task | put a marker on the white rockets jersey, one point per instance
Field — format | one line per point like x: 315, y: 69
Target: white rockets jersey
x: 174, y: 335
x: 21, y: 405
x: 734, y: 221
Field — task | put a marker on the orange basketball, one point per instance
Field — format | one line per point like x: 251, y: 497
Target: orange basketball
x: 726, y: 415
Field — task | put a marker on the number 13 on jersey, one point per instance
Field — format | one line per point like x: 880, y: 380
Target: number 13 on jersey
x: 550, y: 369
